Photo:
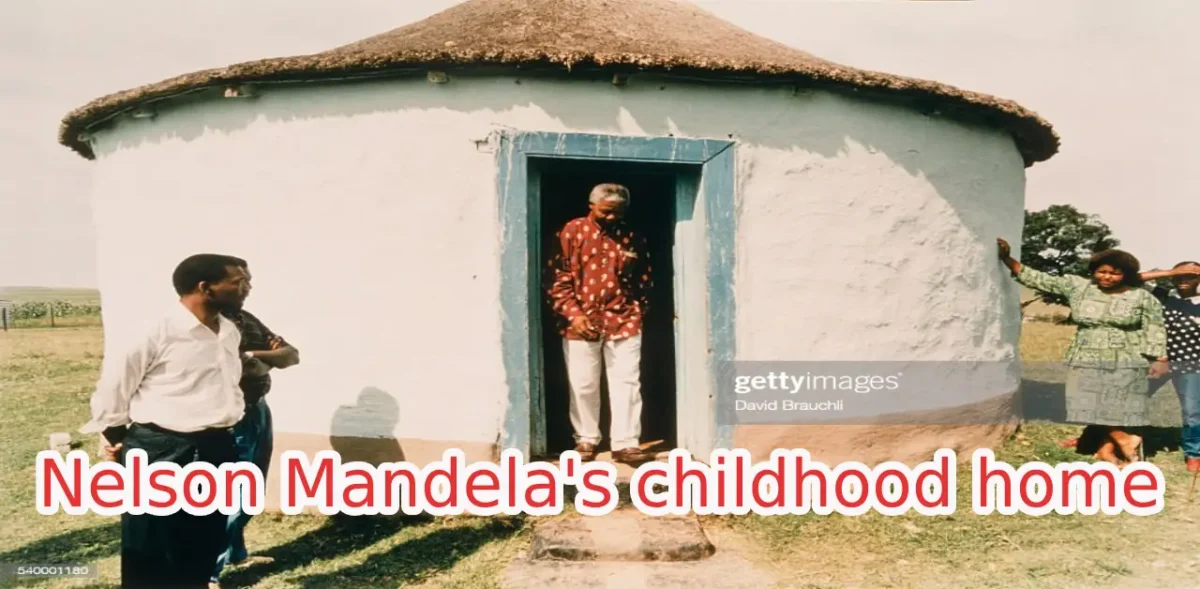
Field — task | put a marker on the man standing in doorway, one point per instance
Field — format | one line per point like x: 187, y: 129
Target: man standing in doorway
x: 600, y: 292
x: 261, y: 351
x: 172, y: 391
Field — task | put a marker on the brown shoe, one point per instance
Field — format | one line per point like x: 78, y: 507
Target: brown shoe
x: 587, y: 452
x: 631, y: 456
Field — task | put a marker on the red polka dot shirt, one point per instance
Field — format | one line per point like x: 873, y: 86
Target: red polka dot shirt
x: 603, y: 273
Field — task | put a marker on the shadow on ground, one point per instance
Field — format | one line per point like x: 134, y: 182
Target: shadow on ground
x: 416, y: 559
x: 84, y: 545
x: 406, y: 562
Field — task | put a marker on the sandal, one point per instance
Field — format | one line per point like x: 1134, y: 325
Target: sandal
x: 632, y: 456
x: 587, y: 452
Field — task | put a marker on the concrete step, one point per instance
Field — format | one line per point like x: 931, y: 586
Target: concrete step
x: 624, y: 535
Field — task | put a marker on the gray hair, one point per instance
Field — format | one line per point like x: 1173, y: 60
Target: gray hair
x: 609, y: 192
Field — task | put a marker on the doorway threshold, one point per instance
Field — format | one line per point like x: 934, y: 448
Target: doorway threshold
x: 659, y: 448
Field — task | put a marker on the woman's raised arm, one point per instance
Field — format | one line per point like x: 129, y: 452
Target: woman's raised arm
x: 1037, y: 280
x: 1183, y: 270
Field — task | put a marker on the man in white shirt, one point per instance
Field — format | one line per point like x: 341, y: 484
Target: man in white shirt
x: 172, y: 391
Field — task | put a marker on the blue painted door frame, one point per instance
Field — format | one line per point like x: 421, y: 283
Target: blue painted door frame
x: 705, y: 230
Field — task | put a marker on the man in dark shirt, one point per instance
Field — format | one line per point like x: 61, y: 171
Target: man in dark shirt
x: 600, y: 286
x: 1181, y: 315
x: 261, y: 351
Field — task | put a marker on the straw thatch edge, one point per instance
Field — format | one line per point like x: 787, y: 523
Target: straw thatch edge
x: 1036, y: 139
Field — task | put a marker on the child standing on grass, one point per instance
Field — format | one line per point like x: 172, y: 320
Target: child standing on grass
x: 1181, y: 314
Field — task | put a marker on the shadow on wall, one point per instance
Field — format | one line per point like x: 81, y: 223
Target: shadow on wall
x: 366, y: 430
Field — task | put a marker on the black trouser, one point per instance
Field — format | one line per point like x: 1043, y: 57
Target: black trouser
x: 176, y: 550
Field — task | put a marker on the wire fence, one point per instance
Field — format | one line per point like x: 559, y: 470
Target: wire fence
x: 48, y: 313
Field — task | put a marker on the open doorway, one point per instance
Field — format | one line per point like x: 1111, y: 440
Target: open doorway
x: 563, y: 188
x: 698, y: 276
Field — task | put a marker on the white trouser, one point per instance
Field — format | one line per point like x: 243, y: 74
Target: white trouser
x: 622, y: 360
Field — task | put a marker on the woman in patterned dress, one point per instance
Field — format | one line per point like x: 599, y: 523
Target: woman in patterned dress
x: 1117, y: 348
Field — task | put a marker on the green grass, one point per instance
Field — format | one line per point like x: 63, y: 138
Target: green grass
x: 37, y: 294
x: 46, y: 378
x: 21, y: 294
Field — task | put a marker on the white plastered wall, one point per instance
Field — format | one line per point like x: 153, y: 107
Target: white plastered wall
x: 368, y: 213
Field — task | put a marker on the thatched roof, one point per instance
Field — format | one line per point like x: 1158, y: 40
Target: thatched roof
x: 620, y: 35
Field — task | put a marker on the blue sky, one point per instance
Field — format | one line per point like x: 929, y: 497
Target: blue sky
x: 1116, y: 78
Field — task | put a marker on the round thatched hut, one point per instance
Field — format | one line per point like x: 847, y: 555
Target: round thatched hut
x: 395, y: 198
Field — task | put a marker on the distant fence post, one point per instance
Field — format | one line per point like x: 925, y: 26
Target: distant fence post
x: 51, y: 306
x: 4, y: 317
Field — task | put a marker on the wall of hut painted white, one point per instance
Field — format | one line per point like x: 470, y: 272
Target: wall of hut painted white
x: 368, y: 213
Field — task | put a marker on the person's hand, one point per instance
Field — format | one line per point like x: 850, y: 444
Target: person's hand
x: 1159, y: 369
x: 1005, y: 250
x: 1187, y: 270
x: 109, y: 452
x: 582, y: 327
x: 254, y: 367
